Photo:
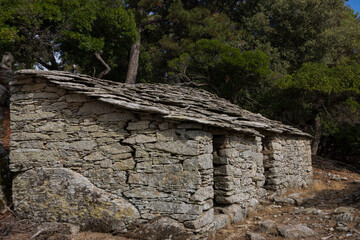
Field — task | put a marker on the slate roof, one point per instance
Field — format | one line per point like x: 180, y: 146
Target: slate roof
x: 171, y: 102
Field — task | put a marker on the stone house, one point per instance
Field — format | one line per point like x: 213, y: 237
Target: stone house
x: 110, y: 157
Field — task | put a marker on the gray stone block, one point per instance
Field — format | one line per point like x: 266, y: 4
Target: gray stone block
x: 221, y: 221
x: 235, y: 212
x: 161, y: 228
x: 295, y: 231
x: 206, y: 218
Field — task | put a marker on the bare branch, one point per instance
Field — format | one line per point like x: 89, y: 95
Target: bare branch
x: 107, y: 68
x: 189, y: 81
x: 327, y: 112
x: 39, y: 232
x: 45, y: 64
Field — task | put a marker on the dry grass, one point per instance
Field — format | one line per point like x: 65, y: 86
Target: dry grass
x: 253, y: 213
x: 320, y: 186
x: 96, y: 236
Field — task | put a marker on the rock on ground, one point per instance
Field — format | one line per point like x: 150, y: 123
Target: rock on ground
x: 295, y: 231
x: 254, y: 236
x: 161, y: 228
x: 267, y: 226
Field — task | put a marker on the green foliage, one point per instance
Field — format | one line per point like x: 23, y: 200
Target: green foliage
x: 190, y: 25
x: 222, y: 68
x: 353, y: 104
x: 320, y: 78
x: 8, y: 34
x: 27, y: 28
x: 293, y: 32
x: 182, y: 24
x: 98, y: 26
x: 347, y: 138
x: 332, y: 93
x: 36, y: 30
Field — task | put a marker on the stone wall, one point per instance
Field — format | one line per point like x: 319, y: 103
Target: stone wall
x: 147, y: 167
x: 287, y: 162
x: 238, y: 173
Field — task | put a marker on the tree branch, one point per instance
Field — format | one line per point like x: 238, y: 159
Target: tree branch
x: 327, y: 112
x: 42, y: 62
x: 191, y: 82
x: 107, y: 68
x: 54, y: 64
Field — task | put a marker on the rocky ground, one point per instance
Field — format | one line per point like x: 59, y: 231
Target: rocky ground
x: 329, y: 210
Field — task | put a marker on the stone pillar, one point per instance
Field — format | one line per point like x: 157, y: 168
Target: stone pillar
x: 238, y: 174
x: 287, y: 162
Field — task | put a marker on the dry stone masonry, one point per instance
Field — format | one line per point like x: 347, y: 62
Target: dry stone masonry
x: 287, y: 162
x: 111, y: 157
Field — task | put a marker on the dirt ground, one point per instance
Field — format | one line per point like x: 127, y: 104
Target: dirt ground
x: 331, y: 208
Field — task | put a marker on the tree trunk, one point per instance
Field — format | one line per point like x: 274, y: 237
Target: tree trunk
x: 316, y: 141
x: 107, y: 68
x: 133, y: 62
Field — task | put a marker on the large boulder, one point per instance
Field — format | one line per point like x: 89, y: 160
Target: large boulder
x: 62, y: 195
x: 295, y: 231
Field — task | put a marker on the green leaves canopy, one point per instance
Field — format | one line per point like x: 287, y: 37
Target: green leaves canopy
x: 293, y: 32
x: 28, y: 29
x: 222, y: 68
x: 98, y: 26
x: 74, y: 29
x: 320, y: 78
